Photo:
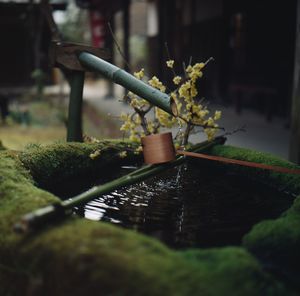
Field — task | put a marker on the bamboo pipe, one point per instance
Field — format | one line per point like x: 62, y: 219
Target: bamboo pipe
x: 123, y: 78
x: 74, y: 124
x: 59, y: 210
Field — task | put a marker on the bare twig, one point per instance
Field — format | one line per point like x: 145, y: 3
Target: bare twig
x: 184, y: 70
x: 118, y: 46
x: 157, y: 125
x: 201, y: 125
x: 144, y: 123
x: 209, y: 60
x: 169, y: 57
x: 186, y: 134
x: 238, y: 129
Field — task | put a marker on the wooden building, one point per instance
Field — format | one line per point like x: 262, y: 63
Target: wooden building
x: 25, y: 40
x: 252, y: 42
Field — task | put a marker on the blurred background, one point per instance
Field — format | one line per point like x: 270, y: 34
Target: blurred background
x: 254, y: 78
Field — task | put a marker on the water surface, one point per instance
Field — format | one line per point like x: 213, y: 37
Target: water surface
x: 189, y: 206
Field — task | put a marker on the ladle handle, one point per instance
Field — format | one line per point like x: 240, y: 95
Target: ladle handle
x: 240, y: 162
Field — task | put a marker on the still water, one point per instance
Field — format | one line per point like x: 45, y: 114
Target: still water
x: 190, y: 206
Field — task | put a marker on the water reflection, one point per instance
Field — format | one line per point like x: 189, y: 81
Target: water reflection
x: 188, y: 207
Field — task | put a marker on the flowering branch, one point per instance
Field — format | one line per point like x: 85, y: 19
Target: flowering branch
x: 192, y: 112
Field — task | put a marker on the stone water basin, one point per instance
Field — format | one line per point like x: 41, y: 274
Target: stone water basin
x: 228, y: 243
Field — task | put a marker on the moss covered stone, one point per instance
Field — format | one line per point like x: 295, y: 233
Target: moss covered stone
x: 80, y: 257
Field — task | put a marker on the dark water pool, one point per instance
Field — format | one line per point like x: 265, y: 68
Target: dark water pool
x: 189, y: 206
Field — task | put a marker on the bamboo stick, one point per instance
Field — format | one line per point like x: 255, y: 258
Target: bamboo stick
x: 119, y: 76
x: 241, y: 162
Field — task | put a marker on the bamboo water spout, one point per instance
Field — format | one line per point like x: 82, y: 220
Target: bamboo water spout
x: 121, y: 77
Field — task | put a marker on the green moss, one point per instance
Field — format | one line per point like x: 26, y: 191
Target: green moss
x: 288, y: 182
x: 277, y: 243
x: 65, y: 160
x: 17, y: 194
x: 78, y: 257
x: 231, y: 266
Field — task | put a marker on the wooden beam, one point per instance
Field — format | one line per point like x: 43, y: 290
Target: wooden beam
x: 295, y: 112
x: 126, y: 28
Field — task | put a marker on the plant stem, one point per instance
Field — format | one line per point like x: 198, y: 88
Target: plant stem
x: 118, y: 46
x: 186, y: 134
x: 144, y: 124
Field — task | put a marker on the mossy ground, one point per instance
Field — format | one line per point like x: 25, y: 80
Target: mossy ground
x: 44, y: 121
x: 81, y: 257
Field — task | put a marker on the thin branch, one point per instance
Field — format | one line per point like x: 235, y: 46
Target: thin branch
x: 169, y: 57
x: 237, y: 130
x: 209, y: 60
x: 184, y: 70
x: 118, y: 46
x: 186, y: 134
x: 157, y: 125
x: 201, y: 125
x: 144, y: 123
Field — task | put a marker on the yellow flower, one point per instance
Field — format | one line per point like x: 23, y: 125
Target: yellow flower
x: 137, y: 119
x: 195, y: 74
x: 210, y: 133
x: 218, y: 115
x: 189, y: 69
x: 134, y: 138
x: 123, y: 116
x: 150, y: 126
x: 197, y: 107
x: 134, y: 103
x: 95, y: 154
x: 140, y: 74
x: 123, y: 154
x: 184, y: 90
x: 210, y: 122
x: 203, y: 113
x: 194, y: 91
x: 164, y: 118
x: 199, y: 66
x: 170, y: 63
x: 184, y: 96
x: 138, y: 150
x: 177, y: 80
x: 154, y: 81
x: 173, y: 95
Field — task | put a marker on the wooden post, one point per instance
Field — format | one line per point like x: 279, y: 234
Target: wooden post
x: 74, y: 128
x: 295, y: 112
